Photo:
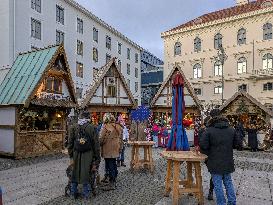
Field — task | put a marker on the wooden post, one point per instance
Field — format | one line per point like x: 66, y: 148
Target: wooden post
x: 176, y: 171
x: 151, y: 165
x: 168, y: 178
x: 133, y: 157
x: 189, y: 174
x: 199, y: 182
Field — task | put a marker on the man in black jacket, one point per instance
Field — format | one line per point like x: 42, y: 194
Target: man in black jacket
x: 217, y: 142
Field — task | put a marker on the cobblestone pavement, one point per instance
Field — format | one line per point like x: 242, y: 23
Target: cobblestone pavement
x: 42, y: 181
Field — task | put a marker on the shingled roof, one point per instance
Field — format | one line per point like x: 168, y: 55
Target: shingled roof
x: 250, y: 98
x: 26, y: 74
x: 225, y: 13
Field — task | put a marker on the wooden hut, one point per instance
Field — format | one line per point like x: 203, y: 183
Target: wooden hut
x: 161, y: 104
x: 36, y: 96
x: 108, y: 92
x: 242, y: 106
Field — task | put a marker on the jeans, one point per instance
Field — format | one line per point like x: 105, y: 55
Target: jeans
x: 218, y: 181
x: 155, y: 139
x: 121, y: 155
x: 86, y: 189
x: 111, y: 166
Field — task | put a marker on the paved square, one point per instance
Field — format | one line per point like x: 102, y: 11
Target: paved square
x: 44, y: 182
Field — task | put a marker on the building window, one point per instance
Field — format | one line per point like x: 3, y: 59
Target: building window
x: 128, y: 69
x: 128, y: 83
x: 218, y: 90
x: 218, y: 41
x: 136, y: 86
x: 59, y: 14
x: 136, y: 58
x: 241, y: 65
x: 242, y: 87
x: 108, y: 58
x: 36, y: 5
x: 241, y: 36
x: 197, y: 91
x: 119, y: 48
x: 95, y: 72
x: 53, y: 85
x: 36, y: 28
x: 128, y: 53
x: 111, y: 91
x: 119, y: 64
x: 95, y: 34
x: 197, y: 44
x: 197, y: 71
x: 79, y: 93
x: 79, y: 70
x: 267, y: 31
x: 267, y: 61
x: 136, y: 72
x: 177, y: 48
x: 59, y: 37
x: 79, y: 25
x: 267, y: 86
x: 218, y: 68
x: 108, y: 42
x: 79, y: 47
x: 95, y: 55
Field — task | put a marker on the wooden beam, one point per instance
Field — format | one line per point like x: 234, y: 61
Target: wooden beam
x: 7, y: 126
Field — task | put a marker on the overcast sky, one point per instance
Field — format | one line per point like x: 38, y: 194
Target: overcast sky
x: 143, y: 20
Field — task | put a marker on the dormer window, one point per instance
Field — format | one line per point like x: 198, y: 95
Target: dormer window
x: 53, y: 85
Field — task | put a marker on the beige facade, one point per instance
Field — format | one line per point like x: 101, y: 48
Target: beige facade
x: 244, y: 63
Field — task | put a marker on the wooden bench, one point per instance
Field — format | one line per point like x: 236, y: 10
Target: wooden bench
x: 147, y: 162
x: 193, y: 160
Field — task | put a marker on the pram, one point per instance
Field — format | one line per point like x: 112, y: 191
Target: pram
x: 94, y: 178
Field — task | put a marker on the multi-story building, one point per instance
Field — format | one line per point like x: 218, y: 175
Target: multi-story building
x: 245, y: 33
x: 151, y: 76
x: 89, y: 42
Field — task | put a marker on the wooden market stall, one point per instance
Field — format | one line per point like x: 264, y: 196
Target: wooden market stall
x: 35, y: 98
x: 108, y: 92
x: 161, y: 104
x: 242, y: 106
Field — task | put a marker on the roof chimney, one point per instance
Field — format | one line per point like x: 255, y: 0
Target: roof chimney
x: 241, y: 2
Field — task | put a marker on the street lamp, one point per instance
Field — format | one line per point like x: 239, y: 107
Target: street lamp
x: 222, y: 57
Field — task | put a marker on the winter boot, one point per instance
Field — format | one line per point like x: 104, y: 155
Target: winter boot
x: 111, y: 186
x: 105, y: 180
x: 210, y: 195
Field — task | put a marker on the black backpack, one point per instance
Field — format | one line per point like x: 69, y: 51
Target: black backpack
x: 82, y: 142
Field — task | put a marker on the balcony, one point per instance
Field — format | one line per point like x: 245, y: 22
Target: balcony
x: 262, y: 74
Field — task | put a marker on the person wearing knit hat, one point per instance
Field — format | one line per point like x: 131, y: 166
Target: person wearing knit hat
x: 84, y: 152
x: 217, y: 142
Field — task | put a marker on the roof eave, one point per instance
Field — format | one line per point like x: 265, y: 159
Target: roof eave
x: 102, y: 23
x: 215, y: 22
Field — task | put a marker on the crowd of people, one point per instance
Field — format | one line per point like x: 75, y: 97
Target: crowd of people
x: 87, y: 145
x: 216, y: 138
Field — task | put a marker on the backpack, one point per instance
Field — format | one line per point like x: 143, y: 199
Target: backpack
x: 82, y: 142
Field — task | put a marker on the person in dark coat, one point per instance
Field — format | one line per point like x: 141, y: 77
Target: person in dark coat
x: 240, y: 130
x: 200, y: 133
x: 217, y: 143
x: 83, y: 161
x: 252, y: 137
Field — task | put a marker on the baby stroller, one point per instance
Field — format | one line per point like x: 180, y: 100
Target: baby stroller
x: 94, y: 178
